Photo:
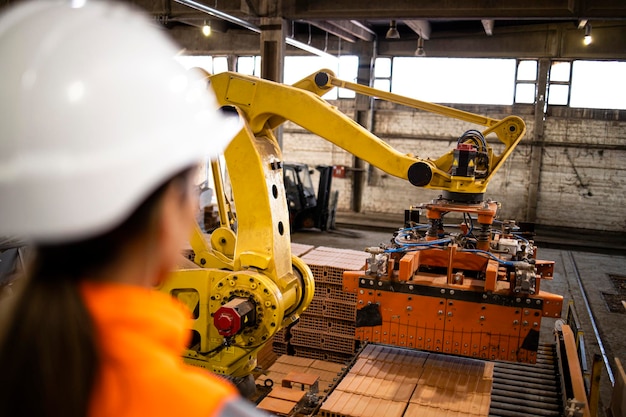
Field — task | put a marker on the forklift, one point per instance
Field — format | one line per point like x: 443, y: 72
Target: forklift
x: 306, y: 210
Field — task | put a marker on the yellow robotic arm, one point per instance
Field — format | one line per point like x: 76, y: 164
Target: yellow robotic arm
x: 248, y: 285
x: 463, y: 173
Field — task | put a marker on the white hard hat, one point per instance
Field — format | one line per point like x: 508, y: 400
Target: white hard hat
x: 95, y: 113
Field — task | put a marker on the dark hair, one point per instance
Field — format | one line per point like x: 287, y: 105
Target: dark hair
x: 48, y: 352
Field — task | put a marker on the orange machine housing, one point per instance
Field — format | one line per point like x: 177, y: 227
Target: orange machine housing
x: 447, y: 300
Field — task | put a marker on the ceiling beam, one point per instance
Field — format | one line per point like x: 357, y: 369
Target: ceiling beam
x: 454, y: 9
x: 250, y: 26
x: 488, y: 26
x: 332, y: 29
x: 344, y: 29
x: 554, y: 41
x: 419, y: 26
x: 354, y: 29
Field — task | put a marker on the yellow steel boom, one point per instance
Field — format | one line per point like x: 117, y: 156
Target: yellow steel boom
x: 248, y: 286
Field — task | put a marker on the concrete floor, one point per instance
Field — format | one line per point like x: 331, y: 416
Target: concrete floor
x: 588, y: 279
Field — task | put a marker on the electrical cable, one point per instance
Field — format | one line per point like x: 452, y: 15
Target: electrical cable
x: 492, y: 256
x: 226, y: 343
x: 470, y: 225
x: 416, y: 227
x: 407, y: 246
x: 411, y: 249
x: 474, y: 136
x: 426, y: 243
x: 522, y: 238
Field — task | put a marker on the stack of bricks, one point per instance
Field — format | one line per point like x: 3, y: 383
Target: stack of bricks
x: 398, y: 382
x: 266, y: 356
x: 326, y: 330
x: 327, y: 372
x: 299, y: 249
x: 279, y: 342
x: 452, y: 386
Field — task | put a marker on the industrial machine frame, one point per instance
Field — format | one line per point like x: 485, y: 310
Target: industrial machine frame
x: 472, y: 291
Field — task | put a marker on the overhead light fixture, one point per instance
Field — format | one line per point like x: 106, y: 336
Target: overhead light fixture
x: 420, y: 47
x: 392, y: 33
x: 587, y: 39
x: 250, y: 26
x: 206, y: 29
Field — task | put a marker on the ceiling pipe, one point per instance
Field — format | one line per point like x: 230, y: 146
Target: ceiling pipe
x: 216, y: 13
x: 362, y: 26
x: 254, y: 28
x: 488, y: 26
x: 419, y: 26
x: 333, y: 29
x: 308, y: 48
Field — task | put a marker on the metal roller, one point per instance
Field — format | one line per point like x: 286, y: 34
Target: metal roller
x: 543, y: 369
x: 508, y: 390
x: 525, y: 399
x: 525, y: 390
x: 522, y: 410
x: 531, y: 375
x: 524, y: 384
x: 525, y: 376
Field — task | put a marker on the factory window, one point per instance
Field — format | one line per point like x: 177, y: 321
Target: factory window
x: 189, y: 61
x: 345, y: 67
x: 220, y: 64
x: 455, y: 80
x: 598, y: 85
x: 348, y: 71
x: 211, y: 64
x: 249, y: 65
x: 526, y: 81
x: 559, y: 83
x: 382, y: 74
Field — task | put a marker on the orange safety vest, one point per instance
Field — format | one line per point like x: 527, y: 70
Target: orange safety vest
x: 141, y: 334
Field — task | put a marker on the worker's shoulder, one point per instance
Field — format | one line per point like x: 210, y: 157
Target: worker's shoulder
x: 187, y: 380
x: 173, y: 389
x: 240, y: 407
x: 198, y: 388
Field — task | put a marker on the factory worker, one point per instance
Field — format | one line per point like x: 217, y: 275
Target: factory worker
x: 100, y: 132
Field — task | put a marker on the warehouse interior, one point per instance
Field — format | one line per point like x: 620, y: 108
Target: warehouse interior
x: 559, y: 183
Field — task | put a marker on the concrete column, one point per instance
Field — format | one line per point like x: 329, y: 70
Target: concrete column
x: 231, y: 59
x: 536, y: 154
x: 272, y: 48
x: 364, y: 115
x: 273, y: 31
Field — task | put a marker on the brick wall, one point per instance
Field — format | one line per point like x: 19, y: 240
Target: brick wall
x: 583, y: 173
x: 583, y: 176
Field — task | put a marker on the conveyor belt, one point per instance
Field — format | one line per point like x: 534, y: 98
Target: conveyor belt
x: 526, y: 390
x: 517, y: 389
